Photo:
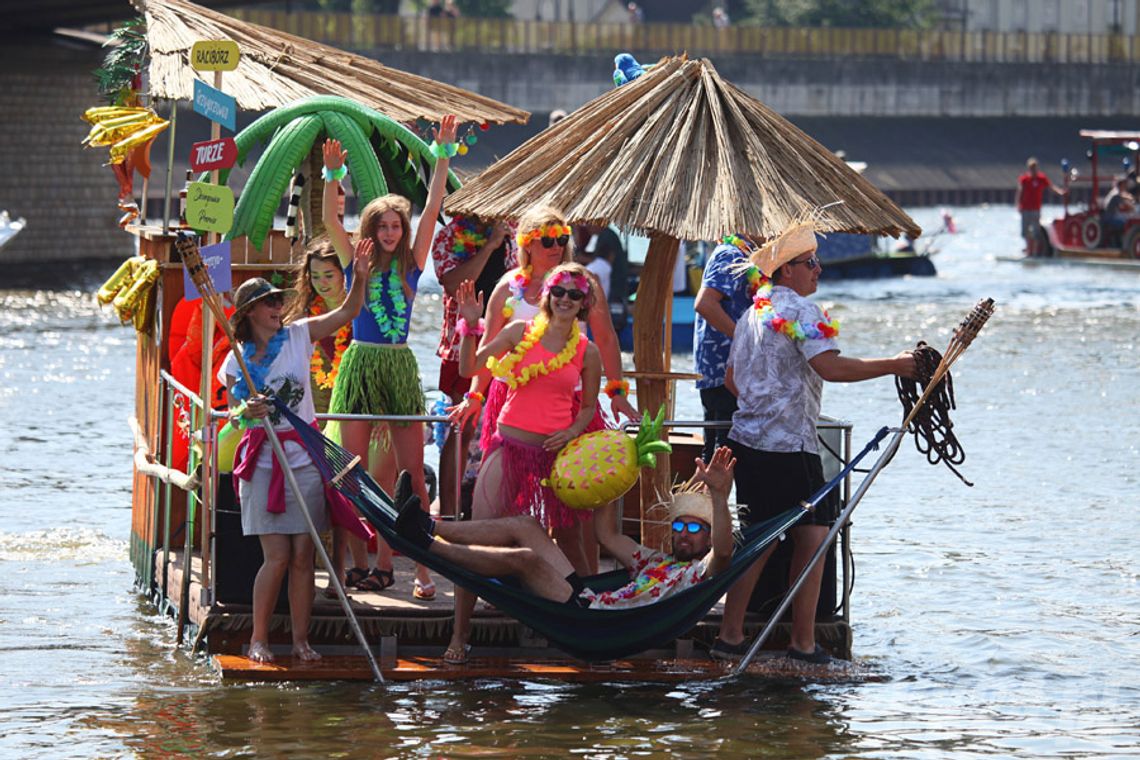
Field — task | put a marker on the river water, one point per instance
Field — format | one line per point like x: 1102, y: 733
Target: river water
x: 1004, y: 618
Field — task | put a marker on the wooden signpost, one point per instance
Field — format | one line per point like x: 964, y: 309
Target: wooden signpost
x: 210, y: 207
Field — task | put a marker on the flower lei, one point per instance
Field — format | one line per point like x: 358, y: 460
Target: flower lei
x: 395, y: 328
x: 752, y: 274
x: 547, y: 230
x: 796, y: 330
x: 517, y: 285
x: 503, y: 368
x: 258, y: 370
x: 324, y: 379
x: 468, y: 237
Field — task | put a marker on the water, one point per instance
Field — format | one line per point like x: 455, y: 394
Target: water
x: 1004, y: 617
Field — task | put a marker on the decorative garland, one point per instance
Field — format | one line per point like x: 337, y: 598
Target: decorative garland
x: 796, y: 330
x: 334, y: 175
x: 259, y: 370
x: 443, y: 150
x: 547, y: 230
x: 517, y: 285
x: 503, y: 368
x: 576, y: 281
x: 754, y: 276
x: 468, y: 238
x: 617, y: 388
x: 324, y: 379
x: 393, y: 329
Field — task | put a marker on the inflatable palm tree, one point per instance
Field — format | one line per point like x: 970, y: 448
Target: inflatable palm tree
x: 383, y: 156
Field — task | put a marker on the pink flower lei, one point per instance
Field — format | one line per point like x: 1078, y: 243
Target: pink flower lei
x: 576, y: 281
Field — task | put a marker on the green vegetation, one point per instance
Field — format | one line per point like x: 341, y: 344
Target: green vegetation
x: 881, y: 14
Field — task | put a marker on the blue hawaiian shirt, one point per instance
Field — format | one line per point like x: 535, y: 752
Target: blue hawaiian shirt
x: 710, y: 345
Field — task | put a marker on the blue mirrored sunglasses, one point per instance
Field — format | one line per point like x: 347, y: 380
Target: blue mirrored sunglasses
x: 680, y: 526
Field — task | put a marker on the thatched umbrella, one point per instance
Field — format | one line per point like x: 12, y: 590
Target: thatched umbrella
x: 278, y: 68
x: 678, y: 154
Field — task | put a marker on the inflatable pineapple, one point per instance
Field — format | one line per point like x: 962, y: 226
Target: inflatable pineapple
x: 596, y: 468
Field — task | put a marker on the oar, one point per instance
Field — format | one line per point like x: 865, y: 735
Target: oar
x: 192, y: 261
x: 964, y: 335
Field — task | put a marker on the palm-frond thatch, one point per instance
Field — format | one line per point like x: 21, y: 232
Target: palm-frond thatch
x: 682, y: 153
x: 278, y: 68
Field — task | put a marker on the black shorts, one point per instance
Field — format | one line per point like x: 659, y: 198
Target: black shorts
x: 770, y: 482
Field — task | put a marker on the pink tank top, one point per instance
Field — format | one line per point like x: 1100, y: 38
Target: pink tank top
x: 545, y: 405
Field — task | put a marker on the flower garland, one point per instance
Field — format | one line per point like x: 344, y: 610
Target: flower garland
x: 547, y: 230
x: 393, y: 329
x: 259, y: 370
x: 503, y: 368
x: 468, y: 237
x: 754, y: 276
x: 324, y: 379
x: 796, y: 330
x: 517, y: 285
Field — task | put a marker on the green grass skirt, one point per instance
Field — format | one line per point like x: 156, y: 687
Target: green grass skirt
x: 377, y: 380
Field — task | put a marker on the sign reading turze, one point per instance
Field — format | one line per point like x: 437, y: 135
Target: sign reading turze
x: 209, y: 207
x: 215, y: 105
x: 214, y: 55
x: 213, y: 154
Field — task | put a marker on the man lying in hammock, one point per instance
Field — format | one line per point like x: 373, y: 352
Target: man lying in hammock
x: 520, y: 547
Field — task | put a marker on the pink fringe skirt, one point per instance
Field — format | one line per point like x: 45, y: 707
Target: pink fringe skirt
x: 525, y: 466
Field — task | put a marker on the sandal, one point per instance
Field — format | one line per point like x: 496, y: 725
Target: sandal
x: 354, y: 576
x: 456, y: 655
x: 425, y: 592
x: 377, y: 580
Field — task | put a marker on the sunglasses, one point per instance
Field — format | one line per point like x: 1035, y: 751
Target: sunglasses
x: 558, y: 291
x: 811, y: 262
x: 561, y: 240
x: 680, y: 526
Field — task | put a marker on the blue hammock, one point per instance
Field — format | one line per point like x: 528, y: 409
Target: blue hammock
x: 590, y: 634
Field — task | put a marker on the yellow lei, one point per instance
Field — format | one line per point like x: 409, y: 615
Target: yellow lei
x: 503, y: 368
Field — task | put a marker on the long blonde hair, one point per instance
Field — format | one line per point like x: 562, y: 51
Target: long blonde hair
x: 370, y: 220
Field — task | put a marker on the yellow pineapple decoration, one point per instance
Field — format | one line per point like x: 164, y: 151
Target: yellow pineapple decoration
x: 596, y: 468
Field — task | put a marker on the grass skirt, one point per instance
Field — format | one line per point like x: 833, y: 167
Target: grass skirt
x: 525, y: 466
x: 375, y: 379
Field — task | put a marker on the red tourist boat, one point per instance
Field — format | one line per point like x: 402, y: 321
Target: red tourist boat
x: 1082, y: 232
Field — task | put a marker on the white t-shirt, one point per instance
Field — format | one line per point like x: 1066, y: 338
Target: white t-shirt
x: 601, y: 269
x: 289, y: 380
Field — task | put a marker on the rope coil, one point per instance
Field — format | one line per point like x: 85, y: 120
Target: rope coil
x: 933, y: 430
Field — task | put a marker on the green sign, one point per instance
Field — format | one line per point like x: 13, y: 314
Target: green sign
x: 209, y: 207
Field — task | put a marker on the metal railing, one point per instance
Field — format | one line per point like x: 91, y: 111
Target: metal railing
x: 834, y: 434
x: 418, y: 33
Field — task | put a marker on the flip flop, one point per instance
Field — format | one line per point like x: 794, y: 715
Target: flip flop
x: 425, y: 592
x: 456, y: 655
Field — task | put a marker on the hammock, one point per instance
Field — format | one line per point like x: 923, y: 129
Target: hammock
x: 590, y: 634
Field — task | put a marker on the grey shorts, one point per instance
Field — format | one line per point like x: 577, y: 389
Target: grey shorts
x: 1031, y: 224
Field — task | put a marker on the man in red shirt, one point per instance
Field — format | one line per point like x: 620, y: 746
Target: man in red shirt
x: 1030, y: 192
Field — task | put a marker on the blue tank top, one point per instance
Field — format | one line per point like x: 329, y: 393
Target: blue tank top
x: 365, y: 327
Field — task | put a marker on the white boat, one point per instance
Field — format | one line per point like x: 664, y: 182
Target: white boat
x: 9, y: 227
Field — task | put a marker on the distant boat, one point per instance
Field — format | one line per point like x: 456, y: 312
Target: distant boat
x: 852, y: 256
x: 9, y: 227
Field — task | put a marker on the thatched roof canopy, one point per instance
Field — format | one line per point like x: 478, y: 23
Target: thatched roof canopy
x: 680, y: 152
x: 278, y: 68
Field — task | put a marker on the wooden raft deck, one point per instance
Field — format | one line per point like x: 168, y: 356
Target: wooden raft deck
x: 408, y: 637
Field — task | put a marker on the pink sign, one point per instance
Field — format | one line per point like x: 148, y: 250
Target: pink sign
x: 213, y: 154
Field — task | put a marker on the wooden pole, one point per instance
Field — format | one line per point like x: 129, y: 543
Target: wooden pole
x: 654, y: 295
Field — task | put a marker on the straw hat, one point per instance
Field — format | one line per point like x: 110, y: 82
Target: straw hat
x: 792, y: 242
x: 695, y: 503
x: 250, y: 292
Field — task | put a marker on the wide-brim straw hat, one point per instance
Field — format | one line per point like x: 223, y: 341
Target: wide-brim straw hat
x: 250, y: 292
x: 792, y: 242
